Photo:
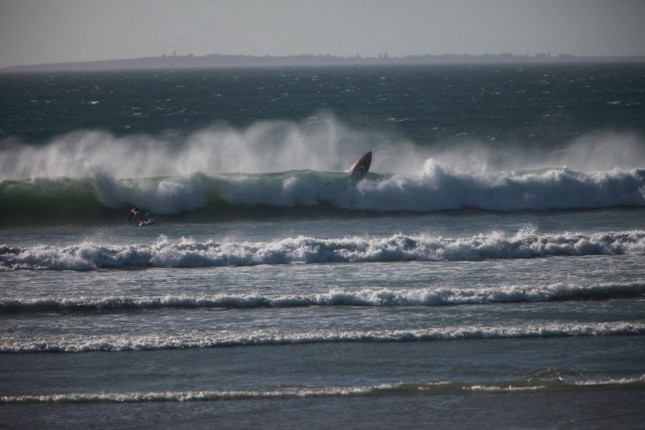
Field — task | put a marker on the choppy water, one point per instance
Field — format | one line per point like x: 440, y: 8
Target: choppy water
x: 487, y: 272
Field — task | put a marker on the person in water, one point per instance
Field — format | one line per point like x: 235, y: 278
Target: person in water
x: 138, y: 215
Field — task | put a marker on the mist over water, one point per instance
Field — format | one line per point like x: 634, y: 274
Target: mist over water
x: 277, y: 146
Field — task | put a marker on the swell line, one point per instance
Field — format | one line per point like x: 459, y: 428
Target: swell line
x: 414, y: 389
x: 335, y: 297
x: 114, y: 343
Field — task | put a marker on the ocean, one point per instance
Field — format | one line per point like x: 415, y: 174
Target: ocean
x: 488, y: 271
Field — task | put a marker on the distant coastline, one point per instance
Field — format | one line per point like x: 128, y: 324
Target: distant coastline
x: 245, y: 61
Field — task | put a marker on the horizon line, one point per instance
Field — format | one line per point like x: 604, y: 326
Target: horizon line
x: 165, y: 61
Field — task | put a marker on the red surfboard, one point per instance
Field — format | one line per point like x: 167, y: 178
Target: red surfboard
x: 362, y: 166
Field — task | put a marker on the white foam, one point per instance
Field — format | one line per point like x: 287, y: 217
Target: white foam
x: 304, y: 392
x: 430, y: 296
x: 302, y: 249
x: 109, y: 343
x: 185, y: 396
x: 435, y: 189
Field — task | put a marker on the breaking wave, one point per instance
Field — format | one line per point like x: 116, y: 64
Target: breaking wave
x: 102, y: 198
x: 115, y: 343
x: 335, y: 297
x: 91, y: 176
x: 187, y: 252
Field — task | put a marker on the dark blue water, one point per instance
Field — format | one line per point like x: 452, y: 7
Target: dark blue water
x: 537, y: 104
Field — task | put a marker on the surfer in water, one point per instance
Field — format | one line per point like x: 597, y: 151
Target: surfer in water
x: 138, y: 215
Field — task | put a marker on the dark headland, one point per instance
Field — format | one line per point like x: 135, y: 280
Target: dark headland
x: 240, y: 61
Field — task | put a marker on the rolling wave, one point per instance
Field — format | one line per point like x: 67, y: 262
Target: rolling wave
x: 335, y: 297
x: 429, y: 388
x: 153, y: 342
x: 102, y: 198
x: 302, y: 249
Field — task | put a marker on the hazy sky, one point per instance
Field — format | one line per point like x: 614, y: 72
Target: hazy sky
x: 45, y: 31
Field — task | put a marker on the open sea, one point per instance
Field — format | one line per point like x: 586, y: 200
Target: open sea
x: 488, y: 272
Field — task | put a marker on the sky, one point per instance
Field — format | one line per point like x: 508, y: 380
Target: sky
x: 50, y: 31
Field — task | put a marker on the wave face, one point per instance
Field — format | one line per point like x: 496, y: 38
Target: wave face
x: 301, y: 249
